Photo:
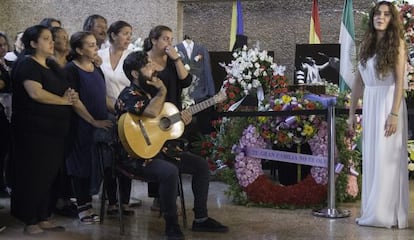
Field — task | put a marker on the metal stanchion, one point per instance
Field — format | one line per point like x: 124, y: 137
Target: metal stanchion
x: 331, y: 211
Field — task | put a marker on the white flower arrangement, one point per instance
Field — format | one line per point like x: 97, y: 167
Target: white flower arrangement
x: 250, y: 67
x: 410, y: 149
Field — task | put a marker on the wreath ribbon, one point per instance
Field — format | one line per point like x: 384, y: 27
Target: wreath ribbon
x: 290, y: 157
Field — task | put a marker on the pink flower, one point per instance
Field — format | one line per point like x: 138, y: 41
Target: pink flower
x: 247, y: 168
x: 352, y: 187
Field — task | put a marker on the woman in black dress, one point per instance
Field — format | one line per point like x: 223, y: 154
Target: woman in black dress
x: 40, y: 122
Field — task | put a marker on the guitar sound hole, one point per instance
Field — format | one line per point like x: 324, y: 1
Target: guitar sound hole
x: 165, y: 123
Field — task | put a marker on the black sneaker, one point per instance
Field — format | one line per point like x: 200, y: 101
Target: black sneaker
x: 67, y: 211
x: 209, y: 225
x: 173, y: 232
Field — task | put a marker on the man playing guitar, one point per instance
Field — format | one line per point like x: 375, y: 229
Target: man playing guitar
x: 136, y: 99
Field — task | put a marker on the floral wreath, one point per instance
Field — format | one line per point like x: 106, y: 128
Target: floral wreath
x: 249, y: 71
x: 260, y: 189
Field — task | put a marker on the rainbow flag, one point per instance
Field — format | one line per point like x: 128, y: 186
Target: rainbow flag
x: 315, y: 26
x: 348, y: 49
x: 237, y: 26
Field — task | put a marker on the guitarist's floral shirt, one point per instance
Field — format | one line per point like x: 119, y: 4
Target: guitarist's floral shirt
x: 132, y: 99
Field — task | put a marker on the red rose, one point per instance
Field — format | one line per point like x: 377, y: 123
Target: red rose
x: 277, y: 107
x: 213, y: 134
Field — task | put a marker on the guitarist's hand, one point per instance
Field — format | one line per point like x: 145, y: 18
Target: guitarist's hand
x: 158, y: 83
x: 105, y: 124
x: 186, y: 117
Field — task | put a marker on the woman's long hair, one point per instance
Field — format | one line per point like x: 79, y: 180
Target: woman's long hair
x: 386, y: 49
x: 155, y: 33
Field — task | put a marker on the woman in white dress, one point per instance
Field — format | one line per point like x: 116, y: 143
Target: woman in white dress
x: 384, y: 147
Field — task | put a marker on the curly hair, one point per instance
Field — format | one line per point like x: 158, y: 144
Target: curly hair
x: 134, y: 61
x: 386, y: 49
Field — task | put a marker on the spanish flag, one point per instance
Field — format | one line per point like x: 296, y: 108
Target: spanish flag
x: 315, y: 27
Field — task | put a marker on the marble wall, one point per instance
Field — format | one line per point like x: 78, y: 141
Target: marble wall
x: 277, y: 25
x: 16, y: 15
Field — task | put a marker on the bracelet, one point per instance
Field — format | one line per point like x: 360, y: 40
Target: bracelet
x: 178, y: 58
x: 394, y: 114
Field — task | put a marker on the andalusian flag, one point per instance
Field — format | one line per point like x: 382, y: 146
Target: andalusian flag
x: 315, y: 26
x: 348, y: 50
x: 237, y: 27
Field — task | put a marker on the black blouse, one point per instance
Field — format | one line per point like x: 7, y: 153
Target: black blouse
x: 173, y: 83
x: 32, y: 116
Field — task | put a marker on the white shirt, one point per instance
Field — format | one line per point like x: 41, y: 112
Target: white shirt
x: 10, y: 56
x: 115, y: 79
x: 189, y: 45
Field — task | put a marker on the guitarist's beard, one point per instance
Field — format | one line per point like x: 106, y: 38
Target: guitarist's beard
x: 142, y: 79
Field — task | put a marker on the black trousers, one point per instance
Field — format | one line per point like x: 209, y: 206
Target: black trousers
x: 81, y: 187
x: 165, y: 173
x: 111, y: 185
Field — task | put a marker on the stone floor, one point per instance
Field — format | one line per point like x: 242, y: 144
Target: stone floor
x: 244, y: 222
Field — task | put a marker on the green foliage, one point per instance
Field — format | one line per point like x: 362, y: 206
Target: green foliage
x: 348, y: 158
x: 235, y: 191
x: 229, y: 134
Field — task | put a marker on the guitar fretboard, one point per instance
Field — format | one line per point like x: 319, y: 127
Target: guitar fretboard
x: 194, y: 109
x: 201, y: 106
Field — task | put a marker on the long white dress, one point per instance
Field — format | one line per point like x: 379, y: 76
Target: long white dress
x: 385, y: 191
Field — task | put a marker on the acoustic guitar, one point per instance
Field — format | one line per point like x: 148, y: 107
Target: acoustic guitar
x: 143, y: 137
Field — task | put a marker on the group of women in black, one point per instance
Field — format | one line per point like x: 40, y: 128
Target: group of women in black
x: 57, y: 114
x: 49, y: 101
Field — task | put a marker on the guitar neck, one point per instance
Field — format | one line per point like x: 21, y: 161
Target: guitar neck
x: 201, y: 106
x: 194, y: 109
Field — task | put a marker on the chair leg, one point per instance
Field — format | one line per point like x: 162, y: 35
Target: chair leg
x: 118, y: 190
x: 103, y: 196
x: 120, y: 212
x: 103, y: 201
x: 181, y: 191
